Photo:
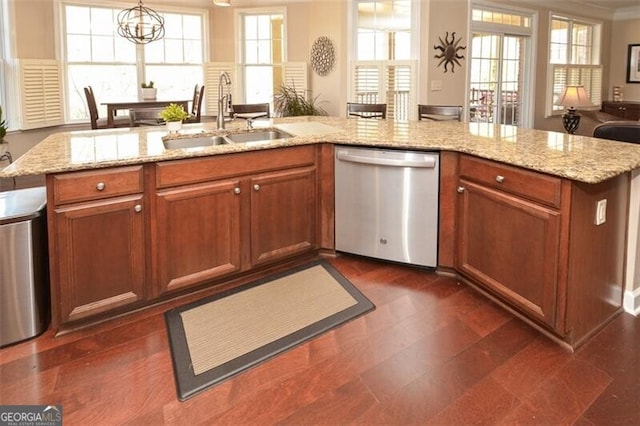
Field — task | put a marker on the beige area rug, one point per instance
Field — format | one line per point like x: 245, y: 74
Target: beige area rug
x: 223, y: 335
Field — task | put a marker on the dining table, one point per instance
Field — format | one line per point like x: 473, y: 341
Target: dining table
x: 125, y: 104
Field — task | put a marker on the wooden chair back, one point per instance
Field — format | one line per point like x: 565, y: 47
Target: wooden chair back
x: 440, y: 112
x: 251, y: 110
x: 196, y: 105
x: 378, y: 111
x: 93, y: 108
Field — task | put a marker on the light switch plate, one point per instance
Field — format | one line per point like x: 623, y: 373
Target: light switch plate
x: 436, y: 85
x: 601, y: 212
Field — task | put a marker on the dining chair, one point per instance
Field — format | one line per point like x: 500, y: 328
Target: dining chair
x: 440, y: 112
x: 251, y: 110
x: 378, y: 111
x: 96, y: 121
x: 196, y: 105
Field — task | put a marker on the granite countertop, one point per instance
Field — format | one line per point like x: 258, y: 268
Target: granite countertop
x: 578, y: 158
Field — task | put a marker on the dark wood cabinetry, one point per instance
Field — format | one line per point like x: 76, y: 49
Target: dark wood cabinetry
x: 97, y: 252
x: 531, y: 240
x: 220, y: 215
x: 197, y: 234
x: 283, y: 212
x: 624, y: 110
x: 207, y: 220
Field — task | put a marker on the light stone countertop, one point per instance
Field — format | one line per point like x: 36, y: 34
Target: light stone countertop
x: 573, y: 157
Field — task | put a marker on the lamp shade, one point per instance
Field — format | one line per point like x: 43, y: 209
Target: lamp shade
x: 222, y: 2
x: 574, y: 96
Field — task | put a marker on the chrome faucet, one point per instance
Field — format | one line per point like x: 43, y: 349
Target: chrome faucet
x: 223, y: 98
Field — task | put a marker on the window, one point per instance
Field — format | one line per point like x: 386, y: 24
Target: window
x: 574, y: 59
x: 262, y: 56
x: 383, y: 70
x: 500, y: 61
x: 95, y: 55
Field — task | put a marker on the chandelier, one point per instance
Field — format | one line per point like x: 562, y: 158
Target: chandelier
x: 140, y: 24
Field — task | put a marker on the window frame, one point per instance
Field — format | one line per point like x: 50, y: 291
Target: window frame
x: 412, y: 62
x: 529, y: 33
x: 61, y: 46
x: 588, y: 70
x: 239, y: 89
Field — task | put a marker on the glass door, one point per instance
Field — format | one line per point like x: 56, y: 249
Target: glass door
x: 497, y: 78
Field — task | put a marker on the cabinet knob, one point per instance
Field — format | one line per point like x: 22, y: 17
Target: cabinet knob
x: 256, y: 187
x: 100, y: 186
x: 236, y: 190
x: 499, y: 178
x: 137, y: 208
x: 460, y: 189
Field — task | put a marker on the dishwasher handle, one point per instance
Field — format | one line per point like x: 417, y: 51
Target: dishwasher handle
x: 426, y: 162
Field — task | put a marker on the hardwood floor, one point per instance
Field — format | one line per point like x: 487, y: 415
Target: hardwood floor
x: 433, y: 352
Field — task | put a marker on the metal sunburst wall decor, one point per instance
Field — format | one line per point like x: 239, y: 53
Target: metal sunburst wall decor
x: 449, y: 51
x: 322, y: 55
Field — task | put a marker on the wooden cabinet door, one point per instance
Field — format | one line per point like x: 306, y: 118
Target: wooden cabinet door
x: 510, y: 246
x: 196, y: 234
x: 283, y: 214
x: 100, y: 263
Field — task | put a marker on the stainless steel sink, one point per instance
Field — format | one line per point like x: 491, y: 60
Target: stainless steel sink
x: 257, y: 136
x: 195, y: 142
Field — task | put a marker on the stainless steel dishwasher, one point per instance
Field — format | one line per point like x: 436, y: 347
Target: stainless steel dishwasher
x: 387, y: 204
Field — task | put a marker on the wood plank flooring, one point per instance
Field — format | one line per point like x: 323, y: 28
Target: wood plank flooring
x: 433, y: 352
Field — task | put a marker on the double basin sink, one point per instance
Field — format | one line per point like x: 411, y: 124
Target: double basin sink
x: 202, y: 141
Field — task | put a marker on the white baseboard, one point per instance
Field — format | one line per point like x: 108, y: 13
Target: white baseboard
x: 631, y: 302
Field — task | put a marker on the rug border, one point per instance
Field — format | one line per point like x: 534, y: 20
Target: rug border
x: 188, y: 384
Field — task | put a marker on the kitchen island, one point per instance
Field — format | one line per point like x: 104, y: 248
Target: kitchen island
x: 132, y: 223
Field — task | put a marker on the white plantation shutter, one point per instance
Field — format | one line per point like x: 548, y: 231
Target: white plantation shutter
x: 41, y: 86
x: 212, y: 71
x: 390, y: 82
x: 295, y: 74
x: 562, y: 75
x: 366, y: 80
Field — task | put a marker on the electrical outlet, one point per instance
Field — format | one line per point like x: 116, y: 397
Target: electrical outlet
x: 601, y: 212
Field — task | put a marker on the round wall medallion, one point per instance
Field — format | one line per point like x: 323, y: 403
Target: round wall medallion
x: 322, y: 55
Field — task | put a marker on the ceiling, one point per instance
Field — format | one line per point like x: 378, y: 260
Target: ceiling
x: 608, y: 8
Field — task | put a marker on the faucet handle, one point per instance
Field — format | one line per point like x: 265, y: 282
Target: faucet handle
x: 249, y: 123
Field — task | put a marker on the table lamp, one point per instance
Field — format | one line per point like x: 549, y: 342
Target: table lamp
x: 572, y: 97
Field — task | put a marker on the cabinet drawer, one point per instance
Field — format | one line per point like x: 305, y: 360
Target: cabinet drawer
x: 527, y: 184
x: 181, y: 172
x: 97, y: 184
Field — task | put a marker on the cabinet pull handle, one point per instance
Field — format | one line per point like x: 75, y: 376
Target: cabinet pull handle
x: 499, y: 178
x: 236, y: 190
x: 256, y: 187
x: 460, y: 189
x: 100, y: 186
x: 137, y: 208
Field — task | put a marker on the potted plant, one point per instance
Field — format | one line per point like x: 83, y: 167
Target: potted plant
x: 148, y: 91
x: 173, y: 114
x: 3, y: 127
x: 289, y: 103
x: 3, y: 132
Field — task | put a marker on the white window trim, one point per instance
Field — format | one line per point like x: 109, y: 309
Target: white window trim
x: 238, y: 14
x: 528, y: 100
x: 413, y: 62
x: 596, y: 54
x: 9, y: 93
x: 59, y: 33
